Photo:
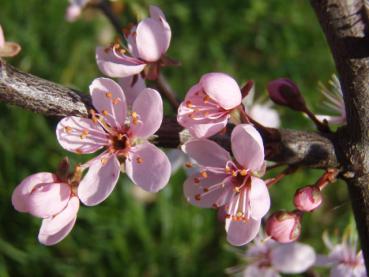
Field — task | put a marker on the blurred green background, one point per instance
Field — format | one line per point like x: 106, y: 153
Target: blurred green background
x: 254, y: 39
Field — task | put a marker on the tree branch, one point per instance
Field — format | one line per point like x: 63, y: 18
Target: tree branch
x: 345, y: 25
x: 38, y: 95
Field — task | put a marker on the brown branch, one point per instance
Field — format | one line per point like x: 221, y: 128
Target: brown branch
x: 42, y: 96
x: 345, y: 25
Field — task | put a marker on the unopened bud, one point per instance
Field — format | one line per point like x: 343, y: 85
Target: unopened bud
x: 285, y: 92
x: 284, y: 227
x: 63, y: 169
x: 308, y: 198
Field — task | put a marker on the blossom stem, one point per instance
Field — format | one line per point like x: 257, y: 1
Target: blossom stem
x: 321, y: 126
x: 328, y: 177
x: 289, y: 170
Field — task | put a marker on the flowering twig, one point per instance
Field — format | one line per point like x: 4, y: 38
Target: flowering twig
x: 162, y: 83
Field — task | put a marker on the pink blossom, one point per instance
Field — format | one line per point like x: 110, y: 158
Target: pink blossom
x: 44, y: 195
x: 334, y: 101
x: 343, y: 259
x: 284, y: 227
x: 7, y: 48
x: 262, y: 112
x: 74, y: 9
x: 208, y: 104
x: 232, y: 183
x: 268, y: 258
x: 308, y: 198
x: 124, y: 138
x: 148, y: 41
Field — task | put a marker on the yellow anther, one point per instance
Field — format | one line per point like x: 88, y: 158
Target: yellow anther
x: 204, y: 174
x: 105, y: 112
x: 227, y: 170
x: 206, y: 99
x: 109, y: 95
x: 139, y: 160
x: 120, y: 136
x: 188, y: 165
x: 234, y: 173
x: 240, y: 214
x: 68, y: 129
x: 236, y: 189
x: 243, y: 172
x: 84, y: 134
x: 134, y: 118
x: 189, y: 104
x: 104, y: 161
x: 116, y: 101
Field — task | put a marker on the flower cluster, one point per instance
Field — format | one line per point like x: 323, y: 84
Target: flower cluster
x: 125, y: 117
x: 121, y: 126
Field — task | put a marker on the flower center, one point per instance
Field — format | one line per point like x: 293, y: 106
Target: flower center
x: 120, y: 144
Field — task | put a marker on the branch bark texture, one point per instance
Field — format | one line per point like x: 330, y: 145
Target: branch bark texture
x: 38, y: 95
x: 345, y: 24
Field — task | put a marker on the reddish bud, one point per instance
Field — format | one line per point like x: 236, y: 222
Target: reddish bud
x: 63, y: 169
x: 284, y: 227
x: 286, y: 93
x: 308, y: 198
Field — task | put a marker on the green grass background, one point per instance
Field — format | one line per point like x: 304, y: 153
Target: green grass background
x: 253, y: 39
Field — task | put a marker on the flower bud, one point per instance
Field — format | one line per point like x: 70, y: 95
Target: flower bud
x: 286, y: 93
x: 308, y: 198
x: 284, y: 227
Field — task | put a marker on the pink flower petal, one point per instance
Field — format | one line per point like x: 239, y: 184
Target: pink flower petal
x: 292, y: 258
x: 108, y: 98
x: 148, y: 167
x: 265, y: 115
x: 205, y: 192
x: 24, y: 189
x: 259, y: 198
x: 222, y: 88
x: 10, y: 49
x: 54, y: 229
x: 2, y: 38
x: 132, y: 86
x: 247, y: 147
x: 157, y: 14
x: 207, y: 153
x: 73, y: 12
x: 99, y: 181
x: 49, y: 240
x: 240, y: 232
x: 114, y: 66
x: 47, y: 200
x: 256, y: 271
x: 148, y: 107
x: 80, y: 135
x: 205, y: 130
x: 152, y: 39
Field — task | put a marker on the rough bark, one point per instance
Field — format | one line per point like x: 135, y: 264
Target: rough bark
x: 345, y: 25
